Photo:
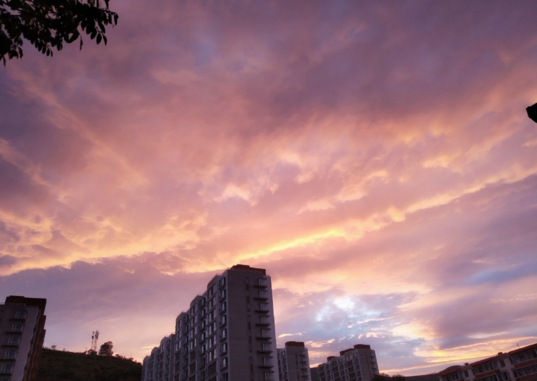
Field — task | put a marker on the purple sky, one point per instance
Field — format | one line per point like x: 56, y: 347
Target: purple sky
x: 375, y: 157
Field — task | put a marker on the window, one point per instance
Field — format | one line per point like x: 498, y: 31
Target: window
x: 20, y: 314
x: 17, y: 327
x: 223, y: 320
x: 13, y: 340
x: 10, y: 354
x: 223, y: 306
x: 267, y: 361
x: 224, y: 333
x: 224, y: 348
x: 225, y: 377
x: 6, y: 367
x: 268, y: 376
x: 222, y: 282
x: 224, y: 362
x: 263, y: 306
x: 223, y: 294
x: 525, y: 371
x: 502, y: 363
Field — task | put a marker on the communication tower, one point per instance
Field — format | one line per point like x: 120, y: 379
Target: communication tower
x: 94, y: 338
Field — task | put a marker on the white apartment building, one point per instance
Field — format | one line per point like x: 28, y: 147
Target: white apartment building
x: 227, y: 334
x: 22, y: 332
x: 355, y: 364
x: 517, y: 365
x: 293, y: 362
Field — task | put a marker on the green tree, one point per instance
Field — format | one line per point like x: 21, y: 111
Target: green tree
x: 106, y: 349
x: 48, y: 24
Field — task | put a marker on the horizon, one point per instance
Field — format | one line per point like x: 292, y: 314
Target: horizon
x: 375, y: 158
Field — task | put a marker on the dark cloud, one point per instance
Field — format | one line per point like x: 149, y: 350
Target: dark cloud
x: 7, y: 260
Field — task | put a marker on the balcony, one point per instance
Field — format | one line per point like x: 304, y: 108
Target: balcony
x: 13, y: 341
x: 262, y: 295
x: 6, y: 368
x: 261, y: 283
x: 17, y: 328
x: 262, y: 307
x: 267, y: 363
x: 265, y: 348
x: 264, y: 334
x: 264, y: 321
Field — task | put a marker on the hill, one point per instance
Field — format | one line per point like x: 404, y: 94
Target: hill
x: 69, y: 366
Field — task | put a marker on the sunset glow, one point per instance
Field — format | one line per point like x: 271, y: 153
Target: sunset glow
x: 375, y: 157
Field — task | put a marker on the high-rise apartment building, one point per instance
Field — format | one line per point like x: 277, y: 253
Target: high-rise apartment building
x: 355, y: 364
x: 226, y: 334
x: 517, y: 365
x: 293, y: 362
x: 159, y: 364
x: 22, y: 332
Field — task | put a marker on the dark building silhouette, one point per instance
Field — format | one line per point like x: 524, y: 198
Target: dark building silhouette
x: 227, y: 334
x: 354, y: 364
x: 293, y: 362
x: 22, y: 332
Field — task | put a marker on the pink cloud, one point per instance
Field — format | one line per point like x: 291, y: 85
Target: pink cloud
x: 375, y: 158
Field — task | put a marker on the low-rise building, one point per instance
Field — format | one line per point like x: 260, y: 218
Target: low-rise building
x: 22, y: 332
x: 293, y: 362
x: 517, y: 365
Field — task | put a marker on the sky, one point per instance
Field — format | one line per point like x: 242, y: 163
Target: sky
x: 374, y: 156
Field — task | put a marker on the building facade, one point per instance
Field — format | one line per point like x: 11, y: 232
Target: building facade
x: 228, y: 333
x: 517, y: 365
x: 22, y: 332
x: 355, y: 364
x: 293, y: 362
x: 160, y: 363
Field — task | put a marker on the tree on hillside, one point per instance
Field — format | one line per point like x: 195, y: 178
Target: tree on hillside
x: 381, y: 377
x: 387, y: 377
x: 47, y: 24
x: 106, y: 349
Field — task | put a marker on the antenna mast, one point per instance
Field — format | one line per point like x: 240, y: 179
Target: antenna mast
x: 94, y: 338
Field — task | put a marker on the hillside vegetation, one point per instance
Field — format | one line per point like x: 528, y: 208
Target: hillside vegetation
x: 69, y: 366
